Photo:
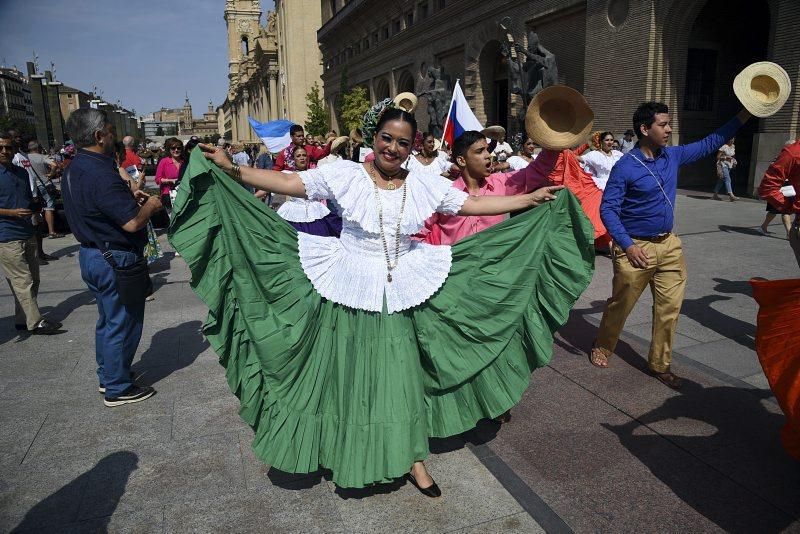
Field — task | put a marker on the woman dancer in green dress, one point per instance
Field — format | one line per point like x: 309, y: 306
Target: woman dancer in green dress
x: 350, y: 353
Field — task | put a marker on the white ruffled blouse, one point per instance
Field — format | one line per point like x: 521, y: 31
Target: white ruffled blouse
x: 440, y: 164
x: 302, y: 210
x: 352, y: 270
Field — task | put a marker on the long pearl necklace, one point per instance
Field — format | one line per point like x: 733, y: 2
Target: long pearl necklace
x: 389, y: 266
x: 389, y: 181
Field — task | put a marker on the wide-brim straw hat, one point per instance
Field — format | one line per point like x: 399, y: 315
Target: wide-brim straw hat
x: 494, y: 132
x: 339, y: 141
x: 559, y: 117
x: 356, y: 137
x: 407, y: 101
x: 762, y: 88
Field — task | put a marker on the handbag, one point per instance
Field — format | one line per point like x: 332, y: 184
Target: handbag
x: 133, y: 281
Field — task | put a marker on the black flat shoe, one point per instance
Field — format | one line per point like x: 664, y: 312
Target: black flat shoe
x: 432, y: 491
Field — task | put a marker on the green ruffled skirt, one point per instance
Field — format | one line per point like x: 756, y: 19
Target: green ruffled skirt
x: 359, y: 392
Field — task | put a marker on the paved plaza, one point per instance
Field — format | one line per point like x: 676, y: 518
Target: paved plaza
x: 587, y: 449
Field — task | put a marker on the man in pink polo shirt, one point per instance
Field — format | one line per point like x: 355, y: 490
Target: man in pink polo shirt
x: 472, y: 156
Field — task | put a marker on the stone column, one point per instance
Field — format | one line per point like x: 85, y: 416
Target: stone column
x: 273, y: 94
x: 234, y: 121
x: 245, y: 113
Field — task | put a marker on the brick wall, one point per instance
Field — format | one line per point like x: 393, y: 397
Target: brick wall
x: 641, y: 56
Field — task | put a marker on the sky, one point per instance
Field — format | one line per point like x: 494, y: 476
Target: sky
x: 146, y: 53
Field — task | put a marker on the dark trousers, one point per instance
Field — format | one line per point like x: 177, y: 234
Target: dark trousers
x: 119, y: 327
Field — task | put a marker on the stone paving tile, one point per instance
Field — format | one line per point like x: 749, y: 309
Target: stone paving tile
x: 757, y: 379
x: 646, y: 484
x: 36, y: 496
x: 174, y: 472
x: 220, y: 415
x: 470, y: 495
x: 278, y: 510
x: 520, y: 523
x: 96, y: 426
x: 726, y: 355
x: 141, y: 522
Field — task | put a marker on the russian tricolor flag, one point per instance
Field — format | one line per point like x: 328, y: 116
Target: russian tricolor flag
x: 460, y: 119
x: 274, y: 134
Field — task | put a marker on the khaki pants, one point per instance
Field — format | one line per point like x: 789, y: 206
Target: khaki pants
x: 20, y: 263
x: 666, y: 275
x: 794, y: 242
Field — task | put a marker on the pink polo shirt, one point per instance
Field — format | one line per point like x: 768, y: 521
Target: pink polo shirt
x: 443, y: 229
x: 166, y: 169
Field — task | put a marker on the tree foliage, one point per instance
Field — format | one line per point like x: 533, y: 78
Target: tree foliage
x: 9, y: 123
x: 354, y: 104
x: 317, y: 123
x: 159, y: 131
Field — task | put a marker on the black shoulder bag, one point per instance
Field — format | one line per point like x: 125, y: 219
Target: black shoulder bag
x: 133, y: 281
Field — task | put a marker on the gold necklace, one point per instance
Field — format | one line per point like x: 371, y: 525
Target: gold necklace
x: 389, y: 181
x: 389, y: 265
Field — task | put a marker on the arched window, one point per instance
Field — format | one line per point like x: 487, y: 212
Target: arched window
x: 245, y: 46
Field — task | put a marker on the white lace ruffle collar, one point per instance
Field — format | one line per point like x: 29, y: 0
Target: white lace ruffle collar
x: 354, y: 191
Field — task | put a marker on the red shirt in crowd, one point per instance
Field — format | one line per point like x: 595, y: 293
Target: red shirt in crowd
x: 315, y: 153
x: 785, y: 167
x: 132, y: 159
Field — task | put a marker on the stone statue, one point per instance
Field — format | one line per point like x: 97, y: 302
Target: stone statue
x: 272, y: 22
x: 531, y: 69
x: 438, y: 94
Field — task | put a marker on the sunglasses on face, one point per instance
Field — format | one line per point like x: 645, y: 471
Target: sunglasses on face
x: 176, y: 148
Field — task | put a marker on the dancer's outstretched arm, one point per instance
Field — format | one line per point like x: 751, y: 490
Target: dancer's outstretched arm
x: 506, y: 204
x: 274, y: 181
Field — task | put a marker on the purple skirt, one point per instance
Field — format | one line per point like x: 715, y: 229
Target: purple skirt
x: 328, y: 226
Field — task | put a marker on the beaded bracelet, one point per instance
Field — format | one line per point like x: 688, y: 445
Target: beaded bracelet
x: 235, y: 172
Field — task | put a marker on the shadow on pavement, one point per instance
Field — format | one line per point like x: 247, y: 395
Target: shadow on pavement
x: 739, y: 230
x: 701, y: 311
x: 106, y: 481
x: 369, y: 491
x: 741, y: 287
x: 741, y: 447
x: 160, y: 359
x: 577, y: 337
x: 296, y: 481
x: 68, y: 251
x: 163, y: 263
x: 63, y: 309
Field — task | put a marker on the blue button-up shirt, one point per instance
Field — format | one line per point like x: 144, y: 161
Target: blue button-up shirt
x: 639, y: 198
x: 98, y: 204
x: 15, y: 192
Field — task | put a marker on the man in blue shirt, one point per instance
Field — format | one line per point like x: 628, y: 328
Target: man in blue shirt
x: 104, y: 215
x: 18, y: 250
x: 638, y: 210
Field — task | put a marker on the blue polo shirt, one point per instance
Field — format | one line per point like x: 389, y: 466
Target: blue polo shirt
x: 639, y: 198
x: 98, y: 203
x: 15, y: 192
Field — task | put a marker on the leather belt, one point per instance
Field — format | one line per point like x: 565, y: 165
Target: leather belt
x: 119, y: 248
x: 652, y: 238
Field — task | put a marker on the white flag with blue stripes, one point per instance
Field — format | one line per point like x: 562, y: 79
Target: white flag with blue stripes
x: 274, y: 134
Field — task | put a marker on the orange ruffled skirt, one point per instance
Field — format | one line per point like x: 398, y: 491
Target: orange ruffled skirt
x: 563, y: 167
x: 778, y: 348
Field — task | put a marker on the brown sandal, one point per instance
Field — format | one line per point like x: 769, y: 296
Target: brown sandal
x: 669, y: 379
x: 598, y: 357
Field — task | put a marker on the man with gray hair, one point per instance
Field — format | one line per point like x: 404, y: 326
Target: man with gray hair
x: 109, y: 222
x: 132, y: 164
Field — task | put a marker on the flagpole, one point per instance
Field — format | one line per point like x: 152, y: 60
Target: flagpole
x: 447, y: 120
